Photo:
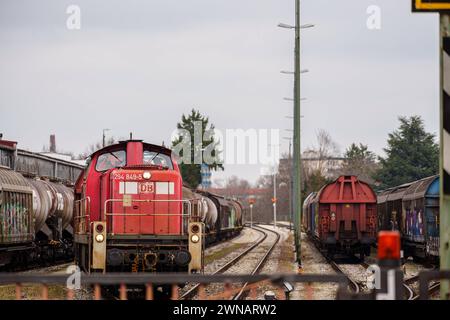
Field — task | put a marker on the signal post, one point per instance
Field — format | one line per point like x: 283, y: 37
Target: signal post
x: 443, y: 8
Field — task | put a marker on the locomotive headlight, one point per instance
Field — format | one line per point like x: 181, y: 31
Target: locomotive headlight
x: 99, y: 238
x: 195, y: 238
x: 146, y: 175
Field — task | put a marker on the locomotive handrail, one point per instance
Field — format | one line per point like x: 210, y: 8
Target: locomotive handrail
x: 149, y: 200
x: 183, y: 215
x: 88, y: 201
x: 87, y: 211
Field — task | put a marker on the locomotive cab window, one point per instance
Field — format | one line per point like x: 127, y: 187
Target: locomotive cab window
x: 158, y: 159
x: 109, y: 160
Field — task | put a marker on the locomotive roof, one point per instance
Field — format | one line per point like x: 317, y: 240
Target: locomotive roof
x: 145, y: 144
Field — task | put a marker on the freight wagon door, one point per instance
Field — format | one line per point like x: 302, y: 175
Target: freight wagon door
x: 347, y: 223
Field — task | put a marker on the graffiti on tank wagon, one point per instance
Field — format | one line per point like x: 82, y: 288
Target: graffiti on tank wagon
x: 414, y: 224
x: 14, y: 220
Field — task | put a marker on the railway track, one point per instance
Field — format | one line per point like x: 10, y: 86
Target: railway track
x: 409, y: 291
x: 242, y: 293
x: 194, y: 291
x: 412, y: 295
x: 353, y: 285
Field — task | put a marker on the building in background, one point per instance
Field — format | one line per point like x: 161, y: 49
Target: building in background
x: 206, y: 176
x: 49, y: 165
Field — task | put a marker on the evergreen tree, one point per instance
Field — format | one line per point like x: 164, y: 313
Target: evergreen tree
x: 190, y: 168
x: 359, y: 161
x: 412, y: 154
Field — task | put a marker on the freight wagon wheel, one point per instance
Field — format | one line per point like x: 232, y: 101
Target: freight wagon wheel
x: 361, y: 255
x: 330, y: 253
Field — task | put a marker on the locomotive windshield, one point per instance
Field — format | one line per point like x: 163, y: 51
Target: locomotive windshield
x: 156, y: 158
x: 109, y: 160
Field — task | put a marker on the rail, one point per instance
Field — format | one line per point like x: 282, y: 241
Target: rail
x: 198, y: 287
x: 244, y: 290
x: 351, y: 283
x: 424, y: 282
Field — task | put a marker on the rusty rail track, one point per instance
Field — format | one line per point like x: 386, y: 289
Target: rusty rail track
x: 194, y: 290
x: 243, y: 292
x: 409, y: 292
x: 353, y: 285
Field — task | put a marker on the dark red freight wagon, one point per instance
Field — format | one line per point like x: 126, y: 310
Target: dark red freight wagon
x: 345, y: 216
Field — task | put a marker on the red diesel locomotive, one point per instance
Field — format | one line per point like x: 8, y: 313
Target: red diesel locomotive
x: 130, y: 214
x: 342, y: 216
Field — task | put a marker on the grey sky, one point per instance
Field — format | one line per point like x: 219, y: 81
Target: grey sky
x: 137, y: 65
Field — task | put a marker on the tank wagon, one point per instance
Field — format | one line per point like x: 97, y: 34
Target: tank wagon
x: 342, y: 216
x: 413, y: 210
x: 222, y: 216
x: 35, y: 220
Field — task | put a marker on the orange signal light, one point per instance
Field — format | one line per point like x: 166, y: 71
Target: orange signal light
x: 274, y: 200
x: 389, y: 245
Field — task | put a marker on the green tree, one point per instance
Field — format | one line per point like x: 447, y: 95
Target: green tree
x: 195, y: 144
x: 411, y: 154
x: 313, y: 182
x: 359, y: 161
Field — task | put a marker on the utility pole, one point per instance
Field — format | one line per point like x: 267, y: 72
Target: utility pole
x: 251, y: 201
x: 274, y: 200
x: 297, y: 198
x: 290, y: 145
x: 104, y: 137
x: 251, y: 215
x: 297, y: 150
x: 290, y: 186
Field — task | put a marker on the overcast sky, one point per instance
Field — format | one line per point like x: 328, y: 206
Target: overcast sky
x: 138, y: 65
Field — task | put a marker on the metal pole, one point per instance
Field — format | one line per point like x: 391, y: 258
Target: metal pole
x: 290, y: 204
x: 444, y: 163
x: 275, y: 199
x: 297, y: 150
x: 290, y: 145
x: 251, y: 215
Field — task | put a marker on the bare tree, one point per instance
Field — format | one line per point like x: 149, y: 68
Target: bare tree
x: 263, y: 210
x: 320, y: 163
x: 235, y: 187
x: 96, y: 146
x: 359, y: 161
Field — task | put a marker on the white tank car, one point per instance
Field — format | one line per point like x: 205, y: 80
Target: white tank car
x: 211, y: 216
x: 51, y: 199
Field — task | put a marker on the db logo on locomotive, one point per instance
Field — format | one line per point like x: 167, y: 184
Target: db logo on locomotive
x: 146, y: 187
